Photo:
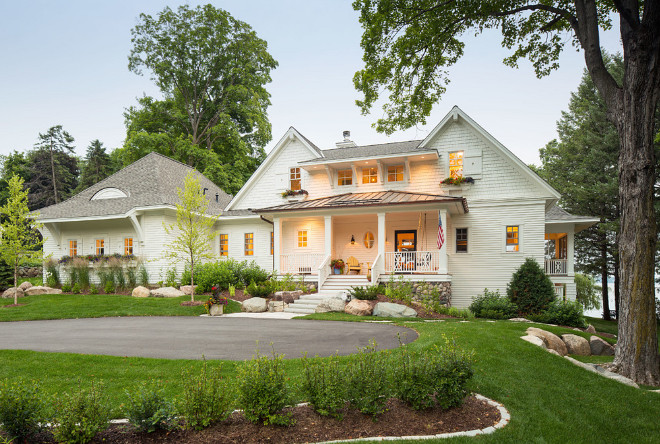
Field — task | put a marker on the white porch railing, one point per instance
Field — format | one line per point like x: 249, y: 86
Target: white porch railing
x: 554, y: 267
x: 323, y: 270
x: 412, y: 261
x: 300, y: 263
x: 377, y: 268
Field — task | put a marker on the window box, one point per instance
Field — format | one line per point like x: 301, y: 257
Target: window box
x: 457, y: 183
x: 295, y: 195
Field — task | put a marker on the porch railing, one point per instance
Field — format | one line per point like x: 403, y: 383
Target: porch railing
x: 412, y: 261
x: 323, y: 270
x: 300, y: 263
x: 377, y: 268
x: 554, y: 267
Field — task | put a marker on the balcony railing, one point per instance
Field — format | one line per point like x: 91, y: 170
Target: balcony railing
x: 300, y: 263
x: 412, y: 262
x: 555, y: 267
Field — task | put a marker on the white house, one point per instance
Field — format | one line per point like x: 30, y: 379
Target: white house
x: 379, y: 204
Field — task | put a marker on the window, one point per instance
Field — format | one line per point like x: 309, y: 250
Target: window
x: 249, y: 244
x: 456, y: 164
x: 100, y: 246
x: 395, y: 173
x: 128, y: 245
x: 512, y: 238
x: 369, y: 175
x: 345, y: 177
x: 224, y: 245
x: 302, y: 238
x: 369, y: 239
x: 461, y: 240
x: 272, y: 243
x: 73, y: 248
x: 295, y: 183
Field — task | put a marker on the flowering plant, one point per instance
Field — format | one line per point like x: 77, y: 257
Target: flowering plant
x: 216, y: 299
x: 457, y: 180
x: 287, y: 193
x: 337, y: 263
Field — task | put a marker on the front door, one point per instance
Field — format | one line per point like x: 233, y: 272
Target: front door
x: 405, y: 244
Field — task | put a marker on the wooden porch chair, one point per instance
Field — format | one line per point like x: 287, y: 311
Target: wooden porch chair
x: 353, y: 265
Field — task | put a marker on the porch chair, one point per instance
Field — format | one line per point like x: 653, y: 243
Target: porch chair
x: 353, y: 265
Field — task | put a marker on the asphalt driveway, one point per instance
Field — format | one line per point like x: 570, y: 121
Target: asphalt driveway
x: 194, y: 337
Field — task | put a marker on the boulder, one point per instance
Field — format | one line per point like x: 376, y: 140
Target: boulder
x: 25, y: 285
x: 520, y: 320
x: 552, y: 341
x: 188, y: 289
x: 285, y: 296
x: 534, y: 340
x: 576, y: 345
x: 600, y: 347
x: 255, y: 305
x: 358, y: 307
x: 9, y: 293
x: 167, y: 292
x: 590, y: 329
x: 390, y: 310
x: 140, y: 292
x: 38, y: 289
x: 277, y: 306
x: 333, y: 304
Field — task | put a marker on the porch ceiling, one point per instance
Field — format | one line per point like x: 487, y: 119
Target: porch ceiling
x: 360, y: 200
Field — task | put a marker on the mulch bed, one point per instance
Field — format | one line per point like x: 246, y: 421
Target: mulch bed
x: 398, y: 420
x: 13, y: 305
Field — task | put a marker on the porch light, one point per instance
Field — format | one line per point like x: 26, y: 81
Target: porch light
x: 352, y: 239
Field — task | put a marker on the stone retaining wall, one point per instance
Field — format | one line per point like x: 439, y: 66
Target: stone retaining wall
x: 30, y: 271
x: 422, y: 289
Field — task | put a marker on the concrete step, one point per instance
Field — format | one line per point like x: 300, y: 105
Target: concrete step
x: 289, y: 309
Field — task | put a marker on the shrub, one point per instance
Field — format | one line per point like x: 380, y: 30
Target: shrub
x: 80, y: 416
x: 251, y: 272
x: 367, y: 380
x: 261, y: 291
x: 52, y: 273
x: 148, y: 410
x: 131, y: 277
x: 109, y: 287
x: 323, y: 385
x: 562, y: 313
x: 399, y: 290
x: 284, y: 283
x: 449, y: 377
x: 144, y: 276
x: 170, y: 277
x: 104, y: 276
x: 262, y: 390
x: 214, y: 273
x: 21, y: 409
x: 76, y: 288
x: 530, y: 288
x: 93, y: 289
x: 492, y: 305
x: 206, y: 397
x: 369, y: 293
x: 80, y: 272
x: 66, y: 288
x: 116, y: 273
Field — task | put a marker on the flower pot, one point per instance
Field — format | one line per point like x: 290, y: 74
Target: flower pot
x: 336, y: 270
x: 216, y: 310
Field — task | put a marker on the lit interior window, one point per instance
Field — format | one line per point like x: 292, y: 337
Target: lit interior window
x: 456, y: 164
x: 395, y: 173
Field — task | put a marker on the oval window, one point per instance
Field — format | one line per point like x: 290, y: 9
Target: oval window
x: 369, y: 239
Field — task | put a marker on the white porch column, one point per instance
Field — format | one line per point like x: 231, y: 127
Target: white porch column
x: 570, y: 252
x: 442, y: 266
x: 381, y: 234
x: 277, y: 233
x: 328, y: 236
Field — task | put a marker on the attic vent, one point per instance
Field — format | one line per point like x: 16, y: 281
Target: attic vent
x: 216, y: 197
x: 347, y: 142
x: 109, y: 193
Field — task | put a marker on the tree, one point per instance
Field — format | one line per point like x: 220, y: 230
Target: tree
x: 587, y: 294
x: 21, y: 241
x: 96, y: 166
x: 408, y: 44
x: 15, y: 163
x: 193, y: 229
x: 212, y: 70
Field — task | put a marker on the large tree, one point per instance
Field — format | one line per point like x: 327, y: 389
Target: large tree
x: 212, y: 70
x: 409, y: 43
x: 14, y: 163
x: 96, y: 166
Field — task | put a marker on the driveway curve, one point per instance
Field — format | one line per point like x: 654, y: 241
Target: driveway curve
x: 197, y: 337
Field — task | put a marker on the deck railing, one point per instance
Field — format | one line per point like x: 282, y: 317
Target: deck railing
x: 555, y: 267
x: 412, y: 261
x: 300, y: 263
x: 323, y: 270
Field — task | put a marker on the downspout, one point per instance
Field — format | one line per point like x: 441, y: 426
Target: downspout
x: 273, y: 224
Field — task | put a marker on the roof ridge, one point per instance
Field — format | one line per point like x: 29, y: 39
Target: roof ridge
x: 372, y: 144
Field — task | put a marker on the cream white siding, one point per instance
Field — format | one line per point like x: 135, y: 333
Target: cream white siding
x: 236, y: 229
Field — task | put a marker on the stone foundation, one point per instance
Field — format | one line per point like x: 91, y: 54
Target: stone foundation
x: 423, y: 289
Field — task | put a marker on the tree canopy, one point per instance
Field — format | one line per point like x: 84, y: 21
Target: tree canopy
x: 96, y: 166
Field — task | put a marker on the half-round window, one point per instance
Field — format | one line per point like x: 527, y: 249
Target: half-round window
x: 109, y: 193
x: 369, y: 239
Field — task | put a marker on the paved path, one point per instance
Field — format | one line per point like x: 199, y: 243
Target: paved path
x: 193, y: 337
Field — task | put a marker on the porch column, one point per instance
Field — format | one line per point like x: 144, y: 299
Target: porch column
x: 328, y: 236
x: 570, y: 252
x: 442, y: 266
x: 277, y: 233
x: 381, y: 234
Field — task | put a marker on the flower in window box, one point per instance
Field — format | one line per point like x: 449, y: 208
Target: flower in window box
x: 458, y: 180
x: 288, y: 193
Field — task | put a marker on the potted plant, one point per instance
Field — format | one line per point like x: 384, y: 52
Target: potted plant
x: 337, y: 266
x: 458, y: 180
x: 216, y: 303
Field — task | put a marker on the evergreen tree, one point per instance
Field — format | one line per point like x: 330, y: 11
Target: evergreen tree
x: 96, y: 166
x: 14, y: 163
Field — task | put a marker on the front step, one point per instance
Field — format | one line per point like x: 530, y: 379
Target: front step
x: 307, y: 303
x: 344, y: 282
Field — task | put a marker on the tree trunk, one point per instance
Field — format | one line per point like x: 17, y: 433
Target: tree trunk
x: 637, y: 349
x: 616, y: 281
x: 603, y: 274
x: 15, y: 283
x: 192, y: 278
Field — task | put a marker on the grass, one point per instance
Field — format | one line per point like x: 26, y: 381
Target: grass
x: 550, y: 399
x: 71, y: 306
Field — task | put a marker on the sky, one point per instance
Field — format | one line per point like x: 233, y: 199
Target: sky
x: 66, y: 63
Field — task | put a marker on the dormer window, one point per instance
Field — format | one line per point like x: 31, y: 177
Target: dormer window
x: 295, y: 183
x: 369, y: 175
x: 345, y: 177
x: 109, y: 193
x: 456, y: 164
x: 395, y: 173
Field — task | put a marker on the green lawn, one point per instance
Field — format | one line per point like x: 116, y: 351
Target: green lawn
x: 550, y: 399
x: 68, y: 306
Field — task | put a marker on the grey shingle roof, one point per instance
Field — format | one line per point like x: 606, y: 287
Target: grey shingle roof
x: 150, y: 181
x: 382, y: 149
x: 555, y: 213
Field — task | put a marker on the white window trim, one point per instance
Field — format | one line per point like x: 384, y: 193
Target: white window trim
x: 123, y: 244
x: 219, y: 250
x: 469, y: 240
x: 67, y: 247
x: 302, y: 183
x: 297, y: 238
x: 520, y: 238
x: 447, y: 171
x: 403, y: 173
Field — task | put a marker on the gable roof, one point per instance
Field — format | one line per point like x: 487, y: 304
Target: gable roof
x: 150, y: 181
x: 376, y: 150
x: 557, y: 215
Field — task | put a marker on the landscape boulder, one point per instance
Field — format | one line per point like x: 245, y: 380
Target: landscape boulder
x: 25, y: 285
x: 552, y: 341
x: 390, y: 310
x: 331, y: 305
x: 9, y: 293
x: 286, y: 296
x: 535, y: 340
x: 277, y: 306
x: 590, y: 329
x: 358, y: 307
x: 188, y: 289
x: 576, y: 345
x: 167, y: 292
x: 140, y: 292
x: 255, y: 305
x: 600, y: 347
x: 38, y: 289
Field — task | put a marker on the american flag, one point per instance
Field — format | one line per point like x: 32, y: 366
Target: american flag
x: 441, y: 233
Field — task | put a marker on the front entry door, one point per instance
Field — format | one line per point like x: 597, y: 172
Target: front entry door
x: 405, y: 244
